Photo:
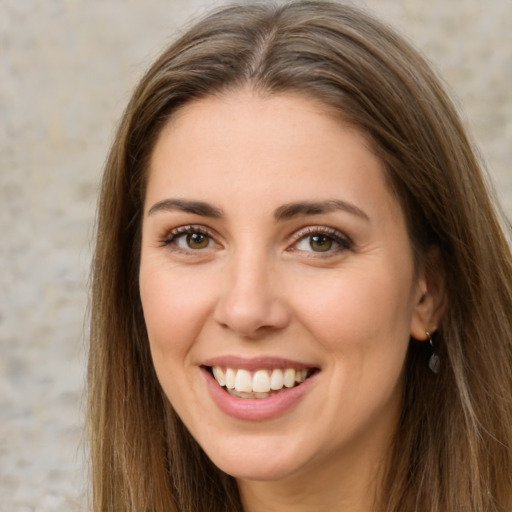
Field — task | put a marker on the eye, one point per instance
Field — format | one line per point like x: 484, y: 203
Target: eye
x: 317, y: 243
x: 189, y: 238
x: 322, y: 240
x: 195, y: 240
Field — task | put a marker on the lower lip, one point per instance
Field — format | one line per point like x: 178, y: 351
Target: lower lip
x: 256, y: 409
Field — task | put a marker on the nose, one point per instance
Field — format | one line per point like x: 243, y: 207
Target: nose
x: 251, y: 301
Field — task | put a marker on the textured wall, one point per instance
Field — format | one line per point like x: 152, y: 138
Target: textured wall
x: 66, y: 70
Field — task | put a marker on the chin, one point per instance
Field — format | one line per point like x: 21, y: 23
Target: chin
x: 257, y: 470
x: 259, y: 461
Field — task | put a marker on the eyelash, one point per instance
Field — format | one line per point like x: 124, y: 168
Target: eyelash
x: 174, y: 235
x: 343, y: 241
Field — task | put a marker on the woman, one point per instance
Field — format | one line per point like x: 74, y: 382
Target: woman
x: 302, y: 293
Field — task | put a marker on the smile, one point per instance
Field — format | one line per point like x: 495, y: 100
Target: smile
x: 261, y: 383
x: 258, y: 389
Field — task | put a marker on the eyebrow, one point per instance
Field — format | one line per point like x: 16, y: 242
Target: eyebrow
x: 284, y: 212
x: 195, y: 207
x: 291, y: 210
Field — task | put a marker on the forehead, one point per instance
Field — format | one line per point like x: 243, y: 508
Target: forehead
x: 277, y: 146
x: 233, y: 108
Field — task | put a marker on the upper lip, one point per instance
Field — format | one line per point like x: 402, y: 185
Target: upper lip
x: 256, y: 363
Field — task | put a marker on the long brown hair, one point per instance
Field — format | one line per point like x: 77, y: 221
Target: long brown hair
x: 453, y: 449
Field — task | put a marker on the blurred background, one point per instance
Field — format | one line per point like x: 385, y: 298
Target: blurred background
x: 67, y: 68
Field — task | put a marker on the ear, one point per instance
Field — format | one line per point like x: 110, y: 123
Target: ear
x: 430, y: 296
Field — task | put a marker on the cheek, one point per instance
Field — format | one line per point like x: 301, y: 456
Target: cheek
x: 174, y: 306
x: 174, y: 312
x: 359, y: 311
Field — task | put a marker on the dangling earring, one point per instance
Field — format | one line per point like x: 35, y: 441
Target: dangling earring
x: 433, y: 363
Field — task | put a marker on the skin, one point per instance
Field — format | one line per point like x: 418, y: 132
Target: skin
x: 257, y: 286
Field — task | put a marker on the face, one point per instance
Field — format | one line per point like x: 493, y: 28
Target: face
x: 278, y: 285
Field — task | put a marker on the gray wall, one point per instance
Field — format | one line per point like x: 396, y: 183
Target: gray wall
x: 66, y: 71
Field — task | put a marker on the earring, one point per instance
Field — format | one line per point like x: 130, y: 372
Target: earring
x: 433, y: 363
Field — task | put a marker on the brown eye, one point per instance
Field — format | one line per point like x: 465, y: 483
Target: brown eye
x: 189, y: 238
x: 324, y: 240
x: 197, y: 241
x: 321, y: 243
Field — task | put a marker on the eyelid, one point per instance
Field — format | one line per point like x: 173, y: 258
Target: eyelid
x: 343, y: 240
x: 171, y: 235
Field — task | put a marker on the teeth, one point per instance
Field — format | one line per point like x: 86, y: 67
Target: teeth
x: 276, y: 380
x: 289, y: 377
x: 243, y: 381
x: 219, y: 375
x: 300, y: 375
x: 259, y: 383
x: 230, y: 378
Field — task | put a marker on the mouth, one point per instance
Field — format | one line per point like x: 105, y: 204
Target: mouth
x: 261, y: 383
